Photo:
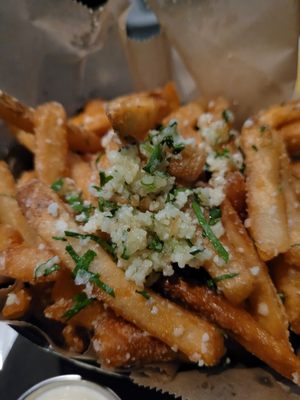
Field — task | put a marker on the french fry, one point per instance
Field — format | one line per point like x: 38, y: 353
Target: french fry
x: 126, y: 302
x: 291, y: 136
x: 9, y: 237
x: 188, y: 166
x: 135, y: 115
x: 116, y: 342
x: 20, y: 262
x: 20, y: 116
x: 10, y: 213
x: 15, y: 113
x: 72, y: 339
x: 217, y: 106
x: 287, y: 281
x: 235, y: 191
x: 93, y: 118
x: 265, y: 200
x: 82, y: 174
x: 264, y: 304
x: 17, y: 304
x: 292, y: 210
x: 187, y: 117
x: 279, y: 115
x: 238, y: 323
x: 25, y: 177
x: 51, y: 142
x: 25, y: 138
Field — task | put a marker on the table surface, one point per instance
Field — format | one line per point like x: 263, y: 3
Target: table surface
x: 27, y: 364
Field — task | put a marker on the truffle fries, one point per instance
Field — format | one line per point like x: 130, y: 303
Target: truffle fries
x: 240, y: 325
x: 116, y: 342
x: 134, y: 115
x: 123, y: 296
x: 16, y: 114
x: 266, y: 203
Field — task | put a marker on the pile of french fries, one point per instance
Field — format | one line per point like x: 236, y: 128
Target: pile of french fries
x: 260, y: 216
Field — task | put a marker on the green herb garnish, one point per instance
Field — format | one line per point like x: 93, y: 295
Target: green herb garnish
x: 57, y: 185
x: 262, y: 128
x: 227, y: 116
x: 215, y: 215
x: 95, y: 278
x: 223, y: 153
x: 221, y: 251
x: 281, y: 295
x: 63, y: 239
x: 155, y: 159
x: 196, y: 251
x: 80, y: 302
x: 105, y: 244
x: 107, y: 205
x: 144, y: 293
x: 104, y: 178
x: 77, y: 204
x: 254, y: 147
x: 155, y: 243
x: 212, y: 282
x: 125, y: 255
x: 46, y: 269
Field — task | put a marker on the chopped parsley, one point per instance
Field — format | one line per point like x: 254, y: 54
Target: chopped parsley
x: 155, y: 243
x: 221, y: 251
x: 46, y: 268
x: 80, y: 301
x: 105, y: 244
x: 155, y: 159
x: 57, y: 185
x: 104, y: 179
x: 223, y: 153
x: 107, y: 205
x: 125, y: 255
x: 82, y: 263
x: 262, y: 128
x: 212, y: 282
x: 215, y: 215
x: 76, y: 202
x: 227, y: 116
x: 63, y: 239
x: 144, y: 293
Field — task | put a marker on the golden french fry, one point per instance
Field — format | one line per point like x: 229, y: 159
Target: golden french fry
x: 20, y: 262
x: 10, y: 213
x: 82, y: 174
x: 264, y: 304
x: 126, y: 302
x: 235, y: 190
x: 9, y: 237
x: 51, y: 142
x: 217, y: 106
x: 279, y: 115
x: 287, y: 280
x: 25, y: 177
x: 25, y: 138
x: 72, y: 339
x: 187, y: 117
x: 238, y: 323
x: 20, y: 116
x: 93, y: 118
x: 17, y: 304
x: 291, y: 136
x: 188, y: 165
x: 134, y: 115
x: 15, y: 113
x: 265, y: 200
x: 292, y: 210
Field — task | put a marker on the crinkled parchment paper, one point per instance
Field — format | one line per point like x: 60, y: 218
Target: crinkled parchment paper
x: 245, y: 50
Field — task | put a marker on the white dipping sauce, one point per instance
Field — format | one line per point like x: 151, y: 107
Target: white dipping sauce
x: 72, y: 392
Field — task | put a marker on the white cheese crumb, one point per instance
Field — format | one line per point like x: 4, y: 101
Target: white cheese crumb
x: 248, y: 123
x: 154, y: 310
x: 296, y: 378
x: 205, y: 337
x: 263, y: 309
x: 41, y: 246
x: 174, y: 348
x: 61, y: 226
x: 178, y: 331
x: 254, y: 270
x: 12, y: 298
x: 53, y: 209
x: 247, y: 223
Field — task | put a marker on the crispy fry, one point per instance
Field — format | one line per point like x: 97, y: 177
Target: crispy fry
x: 279, y: 115
x: 263, y: 297
x: 134, y: 115
x: 292, y: 210
x: 187, y: 117
x: 217, y: 106
x: 287, y: 281
x: 238, y: 323
x: 72, y: 339
x: 9, y: 237
x: 51, y: 142
x: 25, y: 177
x: 20, y: 262
x: 93, y: 118
x: 127, y: 302
x: 235, y: 191
x: 17, y: 304
x: 15, y: 113
x: 10, y: 212
x: 22, y: 117
x: 265, y: 200
x: 82, y: 174
x: 25, y: 138
x: 189, y: 164
x: 291, y: 136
